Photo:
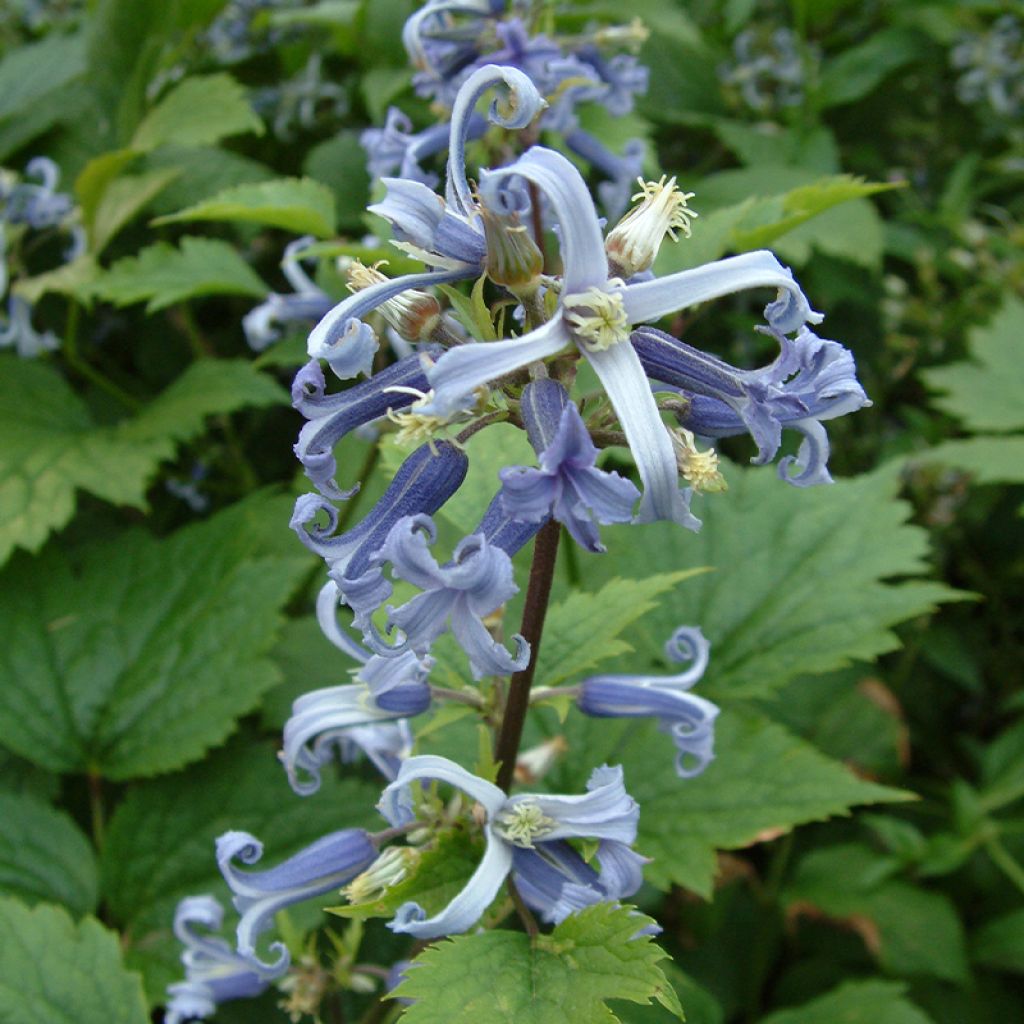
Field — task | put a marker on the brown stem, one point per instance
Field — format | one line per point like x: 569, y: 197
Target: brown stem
x: 542, y: 572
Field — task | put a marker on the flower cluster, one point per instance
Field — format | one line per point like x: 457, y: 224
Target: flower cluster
x: 30, y: 206
x: 993, y: 66
x: 769, y: 71
x: 514, y: 359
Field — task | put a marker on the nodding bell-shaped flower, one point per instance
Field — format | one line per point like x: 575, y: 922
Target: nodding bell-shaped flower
x: 596, y: 314
x: 457, y: 596
x: 529, y: 822
x: 321, y: 867
x: 688, y: 719
x: 811, y: 380
x: 567, y: 485
x: 447, y: 229
x: 214, y: 972
x: 263, y: 325
x: 18, y: 333
x: 38, y: 206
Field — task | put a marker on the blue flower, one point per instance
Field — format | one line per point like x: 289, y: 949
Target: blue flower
x: 38, y: 206
x: 18, y: 333
x: 263, y: 324
x: 214, y: 972
x: 327, y: 864
x: 811, y: 380
x: 596, y: 314
x: 568, y: 485
x: 688, y: 719
x: 531, y: 822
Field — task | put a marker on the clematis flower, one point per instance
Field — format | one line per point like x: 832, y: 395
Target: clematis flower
x: 811, y: 380
x: 214, y: 972
x: 530, y: 822
x: 597, y: 313
x: 263, y: 324
x: 457, y: 595
x: 18, y: 333
x: 37, y: 205
x: 688, y: 719
x: 567, y: 485
x: 327, y: 864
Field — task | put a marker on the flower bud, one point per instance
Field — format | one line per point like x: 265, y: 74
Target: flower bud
x: 513, y: 259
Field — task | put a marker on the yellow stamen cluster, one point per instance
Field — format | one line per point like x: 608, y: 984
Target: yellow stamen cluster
x: 386, y: 871
x: 413, y: 313
x: 699, y: 469
x: 633, y: 35
x: 633, y: 243
x: 523, y: 823
x: 305, y: 985
x: 597, y: 318
x: 415, y: 427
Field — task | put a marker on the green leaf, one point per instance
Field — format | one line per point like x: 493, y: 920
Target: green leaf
x: 199, y: 111
x: 763, y: 781
x: 143, y: 656
x: 299, y: 205
x: 44, y: 855
x: 856, y: 1002
x: 434, y: 878
x: 698, y: 1004
x: 799, y: 582
x: 122, y: 199
x: 50, y: 446
x: 164, y: 275
x: 1000, y: 943
x: 341, y: 164
x: 990, y: 460
x: 160, y: 840
x: 910, y: 929
x: 55, y: 971
x: 855, y: 72
x: 984, y: 392
x: 498, y: 976
x: 74, y: 279
x: 585, y: 629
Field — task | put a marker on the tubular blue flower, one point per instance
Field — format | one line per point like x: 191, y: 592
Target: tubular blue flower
x: 457, y: 595
x: 568, y: 485
x: 341, y: 337
x: 214, y: 972
x: 329, y: 863
x: 331, y: 417
x: 38, y: 206
x: 18, y: 333
x: 688, y: 719
x: 263, y: 324
x: 525, y: 821
x: 596, y: 314
x: 423, y: 483
x: 811, y: 380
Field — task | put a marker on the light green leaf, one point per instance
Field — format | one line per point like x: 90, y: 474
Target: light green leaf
x: 74, y: 279
x: 164, y: 275
x: 435, y: 877
x: 856, y: 1002
x: 199, y: 111
x: 96, y: 177
x: 205, y: 171
x: 856, y: 71
x: 50, y: 446
x: 299, y: 205
x: 44, y: 855
x: 990, y: 460
x: 799, y: 582
x: 698, y: 1004
x: 55, y: 971
x: 999, y: 943
x: 160, y: 840
x: 122, y: 199
x: 144, y: 654
x: 910, y: 929
x: 985, y: 392
x: 585, y: 629
x: 497, y: 976
x: 327, y: 14
x: 763, y: 781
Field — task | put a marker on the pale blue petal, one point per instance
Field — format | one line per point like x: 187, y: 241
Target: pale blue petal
x: 395, y: 804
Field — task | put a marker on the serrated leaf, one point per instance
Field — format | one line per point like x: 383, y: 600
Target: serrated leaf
x: 498, y: 976
x: 74, y: 279
x: 160, y: 840
x: 990, y: 460
x: 299, y: 205
x: 145, y: 654
x: 162, y: 275
x: 985, y: 391
x: 437, y: 876
x: 56, y: 971
x: 95, y: 178
x: 910, y: 930
x: 122, y: 199
x: 44, y: 855
x: 799, y: 582
x: 199, y: 111
x: 763, y: 781
x: 585, y: 629
x: 856, y: 1002
x: 50, y: 446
